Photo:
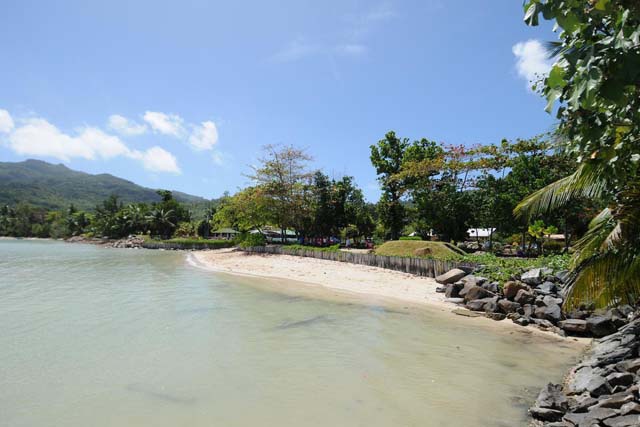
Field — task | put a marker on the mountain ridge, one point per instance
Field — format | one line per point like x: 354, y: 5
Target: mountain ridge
x: 56, y: 186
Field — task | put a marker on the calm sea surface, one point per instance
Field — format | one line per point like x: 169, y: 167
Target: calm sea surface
x: 92, y: 336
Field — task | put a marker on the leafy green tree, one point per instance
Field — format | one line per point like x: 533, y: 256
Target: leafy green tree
x: 595, y: 79
x: 283, y: 177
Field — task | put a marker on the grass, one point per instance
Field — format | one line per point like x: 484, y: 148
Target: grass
x: 200, y: 243
x: 420, y: 249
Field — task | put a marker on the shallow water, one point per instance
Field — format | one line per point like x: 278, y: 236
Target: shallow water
x: 106, y: 337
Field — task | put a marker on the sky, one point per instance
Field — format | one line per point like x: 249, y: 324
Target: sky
x: 184, y: 94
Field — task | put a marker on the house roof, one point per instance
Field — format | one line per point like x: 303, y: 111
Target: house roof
x: 480, y: 232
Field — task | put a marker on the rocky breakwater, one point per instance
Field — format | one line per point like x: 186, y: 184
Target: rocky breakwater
x: 603, y: 390
x: 129, y: 242
x: 533, y: 298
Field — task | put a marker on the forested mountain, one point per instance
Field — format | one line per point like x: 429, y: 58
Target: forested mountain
x: 55, y: 187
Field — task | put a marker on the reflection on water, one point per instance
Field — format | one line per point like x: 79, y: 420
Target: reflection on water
x: 104, y: 337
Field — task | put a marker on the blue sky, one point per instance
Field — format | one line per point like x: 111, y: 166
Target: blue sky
x: 182, y: 95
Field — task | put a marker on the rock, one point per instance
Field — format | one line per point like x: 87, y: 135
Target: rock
x: 547, y: 288
x: 620, y: 378
x: 441, y: 289
x: 497, y: 316
x: 616, y: 401
x: 508, y: 306
x: 630, y: 408
x: 582, y: 402
x: 578, y: 314
x: 466, y: 287
x: 476, y: 292
x: 546, y: 414
x: 580, y: 379
x: 562, y: 276
x: 623, y: 421
x: 532, y: 277
x: 450, y: 276
x: 465, y: 313
x: 549, y: 300
x: 524, y: 297
x: 491, y: 287
x: 522, y: 321
x: 453, y: 290
x: 600, y: 326
x: 527, y: 310
x: 510, y: 289
x: 455, y: 300
x: 574, y: 326
x: 632, y: 366
x: 552, y: 397
x: 598, y: 386
x: 476, y: 305
x: 553, y: 313
x: 598, y: 414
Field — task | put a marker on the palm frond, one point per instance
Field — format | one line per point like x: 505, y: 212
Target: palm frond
x: 586, y: 182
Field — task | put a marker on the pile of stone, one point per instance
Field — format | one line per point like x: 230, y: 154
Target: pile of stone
x: 603, y: 390
x: 532, y: 298
x: 129, y: 242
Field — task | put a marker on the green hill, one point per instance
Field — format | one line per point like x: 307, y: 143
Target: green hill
x: 412, y: 248
x: 56, y: 187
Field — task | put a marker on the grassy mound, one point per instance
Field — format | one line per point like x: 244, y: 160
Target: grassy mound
x: 413, y: 248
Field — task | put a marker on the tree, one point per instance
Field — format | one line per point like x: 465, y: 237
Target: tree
x: 595, y: 79
x: 283, y: 177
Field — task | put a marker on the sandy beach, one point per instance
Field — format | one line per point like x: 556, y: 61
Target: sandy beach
x: 352, y: 278
x: 369, y: 284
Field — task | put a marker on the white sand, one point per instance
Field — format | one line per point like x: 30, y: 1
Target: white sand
x: 340, y: 276
x: 370, y: 284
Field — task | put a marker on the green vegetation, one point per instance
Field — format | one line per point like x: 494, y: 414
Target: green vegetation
x: 501, y: 269
x: 56, y: 187
x: 333, y: 248
x: 596, y: 80
x: 424, y: 249
x: 201, y: 243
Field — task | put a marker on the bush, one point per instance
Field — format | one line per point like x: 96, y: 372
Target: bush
x: 410, y: 238
x: 501, y: 269
x: 185, y: 230
x: 249, y: 240
x: 200, y: 243
x: 333, y: 248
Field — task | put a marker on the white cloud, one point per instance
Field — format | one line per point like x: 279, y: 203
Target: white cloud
x: 37, y: 137
x: 6, y: 122
x: 167, y: 124
x: 126, y: 127
x: 532, y: 60
x: 205, y: 136
x: 157, y: 159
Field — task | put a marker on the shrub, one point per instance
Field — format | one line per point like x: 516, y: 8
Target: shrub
x: 410, y: 238
x: 501, y: 269
x: 333, y: 248
x: 185, y: 230
x: 249, y: 240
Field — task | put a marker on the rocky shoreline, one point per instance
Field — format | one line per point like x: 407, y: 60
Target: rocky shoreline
x: 533, y: 298
x: 603, y: 390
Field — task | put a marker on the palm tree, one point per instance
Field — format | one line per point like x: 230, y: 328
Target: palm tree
x: 161, y: 221
x: 606, y: 264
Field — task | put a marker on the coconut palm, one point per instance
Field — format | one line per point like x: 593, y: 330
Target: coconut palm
x: 606, y: 264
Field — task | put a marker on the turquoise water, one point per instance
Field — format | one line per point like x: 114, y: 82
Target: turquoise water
x: 93, y: 336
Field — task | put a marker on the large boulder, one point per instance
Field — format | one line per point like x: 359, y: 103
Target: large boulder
x: 453, y: 290
x: 450, y: 276
x: 532, y: 277
x: 547, y: 288
x: 511, y: 288
x: 552, y: 397
x: 552, y: 313
x: 476, y: 292
x: 524, y: 297
x: 574, y: 326
x: 508, y: 306
x: 600, y: 326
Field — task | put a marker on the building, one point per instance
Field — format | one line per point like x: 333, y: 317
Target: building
x: 224, y: 234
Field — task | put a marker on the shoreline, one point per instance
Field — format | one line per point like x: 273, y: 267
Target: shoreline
x: 370, y: 285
